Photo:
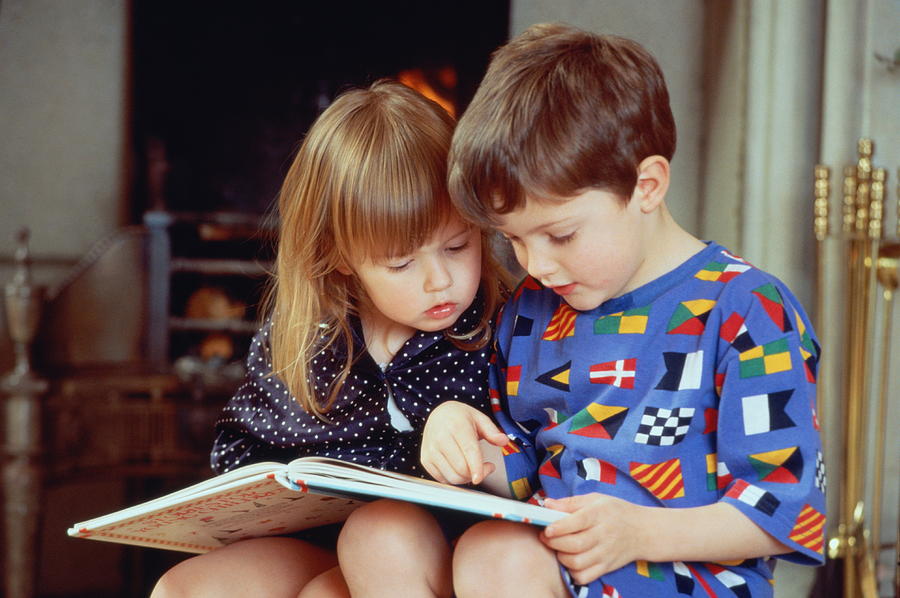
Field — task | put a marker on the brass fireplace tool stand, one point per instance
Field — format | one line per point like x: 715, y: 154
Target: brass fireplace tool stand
x: 22, y: 393
x: 871, y: 264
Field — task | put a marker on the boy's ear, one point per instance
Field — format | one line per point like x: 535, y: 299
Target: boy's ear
x: 652, y: 183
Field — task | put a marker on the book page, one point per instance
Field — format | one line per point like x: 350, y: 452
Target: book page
x: 240, y: 510
x: 496, y: 482
x: 322, y: 474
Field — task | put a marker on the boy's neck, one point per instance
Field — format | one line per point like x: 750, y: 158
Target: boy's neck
x: 671, y: 246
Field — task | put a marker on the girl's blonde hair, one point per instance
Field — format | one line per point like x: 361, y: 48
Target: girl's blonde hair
x: 369, y: 180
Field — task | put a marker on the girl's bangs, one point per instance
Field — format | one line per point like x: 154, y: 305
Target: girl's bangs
x: 394, y: 215
x: 392, y: 186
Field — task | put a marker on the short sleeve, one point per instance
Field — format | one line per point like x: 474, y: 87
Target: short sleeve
x: 769, y: 449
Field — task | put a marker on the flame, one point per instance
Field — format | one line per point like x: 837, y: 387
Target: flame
x: 436, y: 85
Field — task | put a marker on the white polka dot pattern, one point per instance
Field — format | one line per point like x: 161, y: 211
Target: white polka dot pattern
x: 263, y: 422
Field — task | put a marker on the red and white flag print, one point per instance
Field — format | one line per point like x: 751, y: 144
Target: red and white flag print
x: 619, y: 373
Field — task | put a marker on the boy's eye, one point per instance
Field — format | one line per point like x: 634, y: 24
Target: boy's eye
x: 562, y: 239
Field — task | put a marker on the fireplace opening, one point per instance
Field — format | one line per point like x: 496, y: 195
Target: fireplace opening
x: 223, y: 92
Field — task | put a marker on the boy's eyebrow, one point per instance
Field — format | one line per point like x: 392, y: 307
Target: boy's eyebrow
x: 545, y: 225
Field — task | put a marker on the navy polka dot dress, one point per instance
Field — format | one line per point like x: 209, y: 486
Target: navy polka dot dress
x: 378, y: 417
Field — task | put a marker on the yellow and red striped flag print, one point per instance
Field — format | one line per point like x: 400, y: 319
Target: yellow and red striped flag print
x: 662, y: 479
x: 562, y: 324
x: 809, y: 529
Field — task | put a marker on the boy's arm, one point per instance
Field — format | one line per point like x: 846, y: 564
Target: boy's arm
x: 605, y: 533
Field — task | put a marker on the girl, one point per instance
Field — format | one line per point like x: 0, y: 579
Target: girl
x: 380, y: 309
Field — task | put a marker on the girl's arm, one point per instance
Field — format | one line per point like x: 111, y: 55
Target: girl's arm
x: 605, y: 533
x: 451, y: 448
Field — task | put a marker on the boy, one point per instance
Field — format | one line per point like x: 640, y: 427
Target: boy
x: 656, y: 387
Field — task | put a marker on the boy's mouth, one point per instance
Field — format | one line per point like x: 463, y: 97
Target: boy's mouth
x: 565, y: 289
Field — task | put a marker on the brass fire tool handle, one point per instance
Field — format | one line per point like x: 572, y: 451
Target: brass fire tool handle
x: 871, y: 262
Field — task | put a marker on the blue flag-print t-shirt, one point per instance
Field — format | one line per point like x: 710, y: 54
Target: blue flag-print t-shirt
x: 695, y: 388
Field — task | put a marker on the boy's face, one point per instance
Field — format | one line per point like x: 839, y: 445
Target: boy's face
x: 588, y: 248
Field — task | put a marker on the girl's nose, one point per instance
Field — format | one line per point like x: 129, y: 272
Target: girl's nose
x: 438, y: 276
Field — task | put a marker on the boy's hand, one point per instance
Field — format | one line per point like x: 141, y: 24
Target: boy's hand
x: 450, y: 451
x: 602, y: 534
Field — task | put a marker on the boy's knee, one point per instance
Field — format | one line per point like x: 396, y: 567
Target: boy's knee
x: 485, y: 541
x: 499, y: 553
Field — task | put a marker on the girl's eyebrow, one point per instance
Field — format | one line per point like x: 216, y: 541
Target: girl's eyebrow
x: 463, y: 230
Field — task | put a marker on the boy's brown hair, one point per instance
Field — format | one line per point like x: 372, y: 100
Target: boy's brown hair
x: 560, y: 110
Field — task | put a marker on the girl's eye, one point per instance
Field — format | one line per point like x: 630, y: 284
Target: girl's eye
x: 562, y: 239
x: 397, y: 267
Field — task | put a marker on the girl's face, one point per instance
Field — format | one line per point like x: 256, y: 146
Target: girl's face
x: 429, y: 288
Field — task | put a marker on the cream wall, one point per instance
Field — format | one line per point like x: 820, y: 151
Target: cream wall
x: 62, y: 121
x: 63, y: 129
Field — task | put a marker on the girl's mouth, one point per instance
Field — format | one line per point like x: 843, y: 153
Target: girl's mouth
x: 439, y: 312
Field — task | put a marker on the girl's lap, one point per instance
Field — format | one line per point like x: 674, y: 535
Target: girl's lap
x: 277, y: 566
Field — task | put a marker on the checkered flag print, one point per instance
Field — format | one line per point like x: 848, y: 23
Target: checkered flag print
x: 664, y: 427
x: 821, y: 480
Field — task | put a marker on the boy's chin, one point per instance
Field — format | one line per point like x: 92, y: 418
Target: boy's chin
x: 582, y: 303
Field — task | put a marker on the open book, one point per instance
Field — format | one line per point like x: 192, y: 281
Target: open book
x: 267, y: 499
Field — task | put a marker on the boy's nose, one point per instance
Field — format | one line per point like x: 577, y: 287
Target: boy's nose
x: 537, y: 264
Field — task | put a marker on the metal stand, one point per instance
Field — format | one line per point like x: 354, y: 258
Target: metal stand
x: 23, y: 470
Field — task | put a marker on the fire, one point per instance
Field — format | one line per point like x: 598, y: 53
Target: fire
x: 437, y: 85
